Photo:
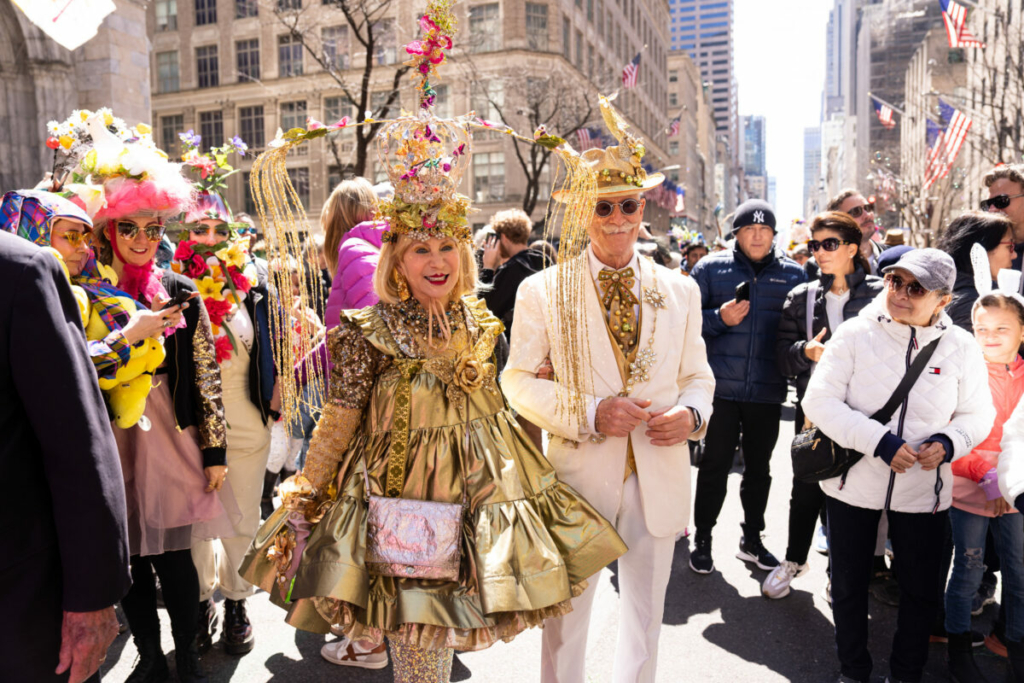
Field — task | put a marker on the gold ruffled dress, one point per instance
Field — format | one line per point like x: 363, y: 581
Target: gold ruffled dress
x: 529, y: 542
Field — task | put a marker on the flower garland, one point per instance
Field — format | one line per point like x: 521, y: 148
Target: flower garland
x: 223, y: 274
x: 212, y: 167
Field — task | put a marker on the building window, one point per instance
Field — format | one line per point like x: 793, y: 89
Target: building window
x: 443, y: 102
x: 211, y: 127
x: 334, y: 178
x: 250, y: 201
x: 673, y: 99
x: 250, y: 125
x: 590, y: 61
x: 384, y: 41
x: 170, y: 126
x: 335, y: 109
x: 299, y: 178
x: 293, y: 115
x: 673, y: 76
x: 289, y: 56
x: 247, y: 54
x: 285, y: 5
x: 484, y: 28
x: 208, y: 66
x: 206, y: 12
x: 673, y: 148
x: 166, y: 15
x: 590, y: 11
x: 246, y: 8
x: 566, y: 39
x: 486, y: 98
x: 489, y: 176
x: 579, y: 50
x: 537, y: 26
x: 334, y: 41
x: 167, y: 72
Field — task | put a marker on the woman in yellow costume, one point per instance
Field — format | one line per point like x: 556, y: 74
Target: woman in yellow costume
x: 424, y: 514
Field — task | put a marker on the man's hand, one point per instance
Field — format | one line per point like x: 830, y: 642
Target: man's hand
x: 84, y: 639
x: 733, y: 312
x: 670, y: 426
x: 814, y: 348
x: 492, y: 253
x: 931, y: 455
x: 618, y: 415
x: 215, y: 475
x: 903, y: 460
x: 999, y: 507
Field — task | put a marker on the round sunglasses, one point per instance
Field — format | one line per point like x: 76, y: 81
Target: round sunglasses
x: 999, y: 202
x: 915, y: 290
x: 129, y: 230
x: 828, y: 244
x: 628, y: 207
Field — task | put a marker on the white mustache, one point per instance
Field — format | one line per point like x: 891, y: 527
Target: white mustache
x: 615, y: 230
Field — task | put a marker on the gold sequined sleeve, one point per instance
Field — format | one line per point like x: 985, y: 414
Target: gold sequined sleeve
x: 356, y: 365
x: 207, y: 388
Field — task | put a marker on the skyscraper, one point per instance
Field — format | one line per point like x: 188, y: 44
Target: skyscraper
x: 753, y: 145
x: 704, y: 29
x: 812, y: 168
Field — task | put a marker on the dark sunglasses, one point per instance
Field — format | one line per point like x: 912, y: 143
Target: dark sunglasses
x: 914, y: 288
x: 999, y: 202
x: 204, y: 230
x: 76, y: 239
x: 628, y: 207
x: 129, y: 230
x: 828, y: 244
x: 858, y: 211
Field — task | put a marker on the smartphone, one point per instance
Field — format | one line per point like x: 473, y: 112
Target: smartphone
x: 743, y: 291
x: 179, y: 298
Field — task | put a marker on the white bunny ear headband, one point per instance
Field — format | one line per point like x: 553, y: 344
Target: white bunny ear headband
x: 1007, y: 281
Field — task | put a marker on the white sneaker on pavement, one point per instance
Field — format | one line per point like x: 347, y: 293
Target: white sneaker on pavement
x: 344, y: 652
x: 821, y: 540
x: 776, y: 585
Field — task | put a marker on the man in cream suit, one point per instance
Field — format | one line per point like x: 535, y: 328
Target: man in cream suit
x: 651, y: 391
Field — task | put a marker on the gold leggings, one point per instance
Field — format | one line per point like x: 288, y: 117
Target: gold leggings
x: 416, y: 665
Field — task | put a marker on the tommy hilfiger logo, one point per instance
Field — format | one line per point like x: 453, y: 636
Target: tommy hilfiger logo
x: 932, y: 370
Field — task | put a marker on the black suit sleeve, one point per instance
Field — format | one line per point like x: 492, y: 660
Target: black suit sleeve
x: 56, y: 383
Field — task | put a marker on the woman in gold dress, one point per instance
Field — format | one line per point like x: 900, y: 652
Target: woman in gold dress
x: 414, y: 373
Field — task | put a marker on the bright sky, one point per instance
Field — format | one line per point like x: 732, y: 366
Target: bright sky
x: 780, y: 68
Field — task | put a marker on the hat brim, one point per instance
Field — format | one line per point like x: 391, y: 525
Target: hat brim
x: 924, y: 277
x: 652, y: 181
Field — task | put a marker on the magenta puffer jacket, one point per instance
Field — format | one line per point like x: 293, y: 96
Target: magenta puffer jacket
x: 352, y: 286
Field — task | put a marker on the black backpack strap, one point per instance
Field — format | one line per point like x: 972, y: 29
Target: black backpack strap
x: 903, y: 390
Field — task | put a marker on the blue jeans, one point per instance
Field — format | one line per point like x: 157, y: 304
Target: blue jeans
x: 969, y: 532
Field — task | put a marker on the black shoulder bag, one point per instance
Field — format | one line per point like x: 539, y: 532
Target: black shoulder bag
x: 816, y: 457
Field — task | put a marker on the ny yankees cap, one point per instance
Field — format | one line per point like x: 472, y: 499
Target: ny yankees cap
x: 753, y: 212
x: 934, y: 269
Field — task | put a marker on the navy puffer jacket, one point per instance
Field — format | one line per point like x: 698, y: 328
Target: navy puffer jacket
x: 743, y: 357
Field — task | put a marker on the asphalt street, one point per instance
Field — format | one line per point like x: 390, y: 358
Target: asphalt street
x: 717, y: 628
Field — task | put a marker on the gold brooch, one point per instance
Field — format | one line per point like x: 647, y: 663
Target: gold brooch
x: 654, y: 297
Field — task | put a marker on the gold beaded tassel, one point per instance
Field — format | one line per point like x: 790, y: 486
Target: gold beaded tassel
x: 568, y: 221
x: 284, y: 224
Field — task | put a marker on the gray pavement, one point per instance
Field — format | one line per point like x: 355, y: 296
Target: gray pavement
x: 717, y: 628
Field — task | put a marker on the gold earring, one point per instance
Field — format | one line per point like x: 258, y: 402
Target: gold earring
x: 402, y: 285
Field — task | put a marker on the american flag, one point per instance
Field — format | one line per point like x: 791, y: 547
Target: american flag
x: 947, y: 144
x: 673, y: 128
x: 630, y: 72
x: 680, y: 206
x: 934, y: 137
x: 884, y: 112
x: 954, y: 15
x: 588, y: 138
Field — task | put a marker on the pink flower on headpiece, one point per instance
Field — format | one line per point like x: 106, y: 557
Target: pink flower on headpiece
x: 205, y: 164
x: 340, y: 123
x: 424, y: 68
x: 313, y: 124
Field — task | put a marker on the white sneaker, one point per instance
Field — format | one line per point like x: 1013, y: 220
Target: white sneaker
x: 776, y: 586
x: 347, y: 653
x: 821, y: 540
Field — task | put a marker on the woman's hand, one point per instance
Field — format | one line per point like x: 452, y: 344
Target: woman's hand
x: 814, y: 348
x: 999, y: 507
x: 215, y: 475
x: 931, y: 455
x: 151, y: 323
x: 904, y: 459
x: 546, y: 370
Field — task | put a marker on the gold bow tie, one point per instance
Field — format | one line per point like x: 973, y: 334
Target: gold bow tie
x: 617, y: 282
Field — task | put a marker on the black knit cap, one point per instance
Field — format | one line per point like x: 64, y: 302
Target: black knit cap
x: 753, y: 212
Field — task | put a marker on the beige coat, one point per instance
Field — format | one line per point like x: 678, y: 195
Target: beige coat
x: 680, y: 376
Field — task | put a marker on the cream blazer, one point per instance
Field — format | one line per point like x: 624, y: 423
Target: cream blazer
x: 681, y: 376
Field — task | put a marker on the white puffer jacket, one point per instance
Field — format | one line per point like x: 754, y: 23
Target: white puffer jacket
x: 857, y: 374
x: 1011, y: 460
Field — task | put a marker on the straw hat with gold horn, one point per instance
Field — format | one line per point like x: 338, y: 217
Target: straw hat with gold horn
x: 619, y: 168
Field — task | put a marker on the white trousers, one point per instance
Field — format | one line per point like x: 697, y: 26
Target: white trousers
x: 217, y: 561
x: 643, y: 574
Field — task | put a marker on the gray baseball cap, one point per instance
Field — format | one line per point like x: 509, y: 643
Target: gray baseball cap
x: 934, y: 269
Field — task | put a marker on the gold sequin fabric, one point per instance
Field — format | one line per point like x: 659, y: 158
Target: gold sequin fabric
x: 212, y: 427
x: 529, y: 542
x: 329, y: 442
x: 418, y: 665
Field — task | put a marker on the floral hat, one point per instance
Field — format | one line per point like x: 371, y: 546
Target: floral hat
x: 209, y: 172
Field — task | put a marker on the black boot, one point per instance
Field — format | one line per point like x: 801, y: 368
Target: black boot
x: 186, y: 657
x: 152, y: 666
x: 962, y: 668
x: 207, y: 625
x: 267, y: 500
x: 238, y: 638
x: 1015, y: 652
